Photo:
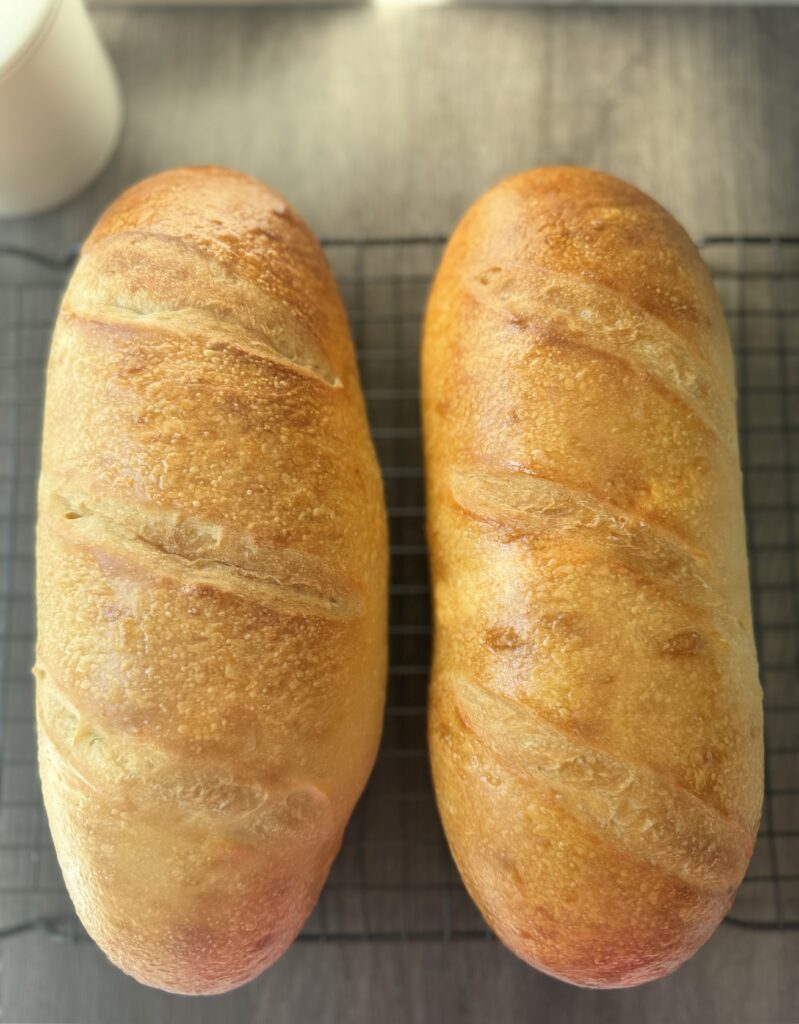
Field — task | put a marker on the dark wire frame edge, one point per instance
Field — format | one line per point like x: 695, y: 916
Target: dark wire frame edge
x: 63, y: 927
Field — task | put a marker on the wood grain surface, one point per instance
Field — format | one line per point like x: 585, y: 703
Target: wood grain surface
x: 390, y: 121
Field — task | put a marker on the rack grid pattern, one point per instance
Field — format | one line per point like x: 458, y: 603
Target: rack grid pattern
x: 394, y: 878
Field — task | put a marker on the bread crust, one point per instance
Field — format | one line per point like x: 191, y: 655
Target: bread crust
x: 211, y: 579
x: 595, y: 713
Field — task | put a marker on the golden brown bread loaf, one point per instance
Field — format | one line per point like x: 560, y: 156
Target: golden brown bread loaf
x: 596, y: 723
x: 212, y: 568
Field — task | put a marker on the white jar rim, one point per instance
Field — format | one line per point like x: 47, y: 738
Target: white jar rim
x: 23, y: 25
x: 60, y: 105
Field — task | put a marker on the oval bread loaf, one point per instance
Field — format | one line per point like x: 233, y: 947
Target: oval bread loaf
x: 595, y: 712
x: 211, y: 580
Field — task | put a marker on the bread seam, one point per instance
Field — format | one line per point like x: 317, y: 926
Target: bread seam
x: 572, y: 281
x: 517, y: 473
x: 322, y: 370
x: 169, y: 322
x: 675, y: 392
x: 156, y: 783
x: 230, y: 576
x: 734, y: 842
x: 708, y: 595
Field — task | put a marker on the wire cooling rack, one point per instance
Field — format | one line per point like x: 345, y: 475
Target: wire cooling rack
x: 394, y: 878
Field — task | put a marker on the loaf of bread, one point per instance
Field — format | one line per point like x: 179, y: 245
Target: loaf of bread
x: 596, y: 719
x: 211, y: 580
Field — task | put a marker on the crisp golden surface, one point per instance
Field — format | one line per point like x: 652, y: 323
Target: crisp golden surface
x: 211, y: 580
x: 596, y: 722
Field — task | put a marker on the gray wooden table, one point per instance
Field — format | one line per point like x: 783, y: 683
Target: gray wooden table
x: 390, y: 121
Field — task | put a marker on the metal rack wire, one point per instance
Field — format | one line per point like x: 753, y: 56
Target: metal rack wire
x: 394, y: 878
